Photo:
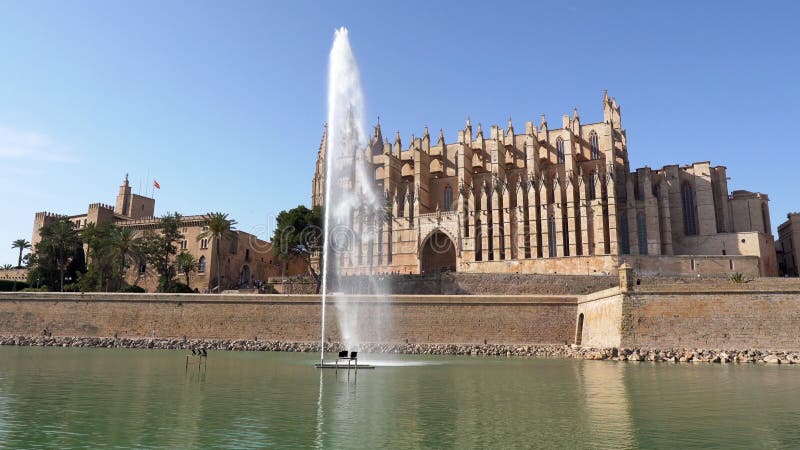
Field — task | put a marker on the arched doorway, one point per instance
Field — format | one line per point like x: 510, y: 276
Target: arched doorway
x: 438, y: 254
x: 244, y: 280
x: 579, y: 330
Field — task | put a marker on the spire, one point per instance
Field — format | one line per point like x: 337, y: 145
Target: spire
x: 427, y: 135
x: 575, y: 113
x: 441, y: 137
x: 509, y: 128
x: 480, y: 130
x: 398, y: 145
x: 469, y: 125
x: 543, y: 125
x: 605, y: 96
x: 126, y: 179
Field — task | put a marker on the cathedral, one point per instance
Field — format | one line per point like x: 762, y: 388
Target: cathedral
x: 549, y: 200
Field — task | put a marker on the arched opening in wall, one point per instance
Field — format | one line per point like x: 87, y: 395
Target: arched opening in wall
x: 244, y: 279
x: 579, y: 330
x: 438, y: 254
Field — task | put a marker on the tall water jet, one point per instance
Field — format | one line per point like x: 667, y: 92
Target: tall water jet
x: 350, y: 191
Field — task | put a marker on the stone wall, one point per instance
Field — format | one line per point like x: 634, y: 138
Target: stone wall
x: 600, y: 325
x: 418, y: 319
x: 14, y: 274
x: 715, y: 319
x: 455, y: 283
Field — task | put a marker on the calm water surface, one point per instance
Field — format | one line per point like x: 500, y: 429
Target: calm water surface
x: 79, y: 398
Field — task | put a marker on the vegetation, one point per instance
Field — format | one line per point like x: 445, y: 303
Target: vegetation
x: 59, y: 262
x: 59, y: 255
x: 218, y: 227
x: 160, y: 246
x: 11, y: 285
x: 737, y: 277
x: 7, y: 267
x: 186, y: 264
x: 22, y: 245
x: 299, y: 233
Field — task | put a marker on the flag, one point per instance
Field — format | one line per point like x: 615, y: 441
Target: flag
x: 156, y: 185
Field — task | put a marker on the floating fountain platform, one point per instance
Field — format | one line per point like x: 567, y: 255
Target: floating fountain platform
x: 343, y: 366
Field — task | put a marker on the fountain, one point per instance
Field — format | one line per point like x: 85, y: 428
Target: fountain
x: 350, y: 192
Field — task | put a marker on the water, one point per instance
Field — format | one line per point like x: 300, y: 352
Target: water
x: 70, y: 398
x: 351, y: 197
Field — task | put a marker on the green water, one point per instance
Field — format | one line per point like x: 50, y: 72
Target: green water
x: 71, y: 398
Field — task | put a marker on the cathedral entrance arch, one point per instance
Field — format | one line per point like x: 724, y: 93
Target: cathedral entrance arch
x: 438, y: 254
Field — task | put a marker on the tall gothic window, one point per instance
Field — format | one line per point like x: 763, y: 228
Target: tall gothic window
x: 551, y: 231
x: 624, y: 241
x: 448, y: 198
x: 641, y: 229
x: 689, y: 210
x: 592, y: 192
x: 594, y: 143
x: 560, y: 151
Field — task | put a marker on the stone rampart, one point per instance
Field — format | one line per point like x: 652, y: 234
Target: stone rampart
x: 295, y: 318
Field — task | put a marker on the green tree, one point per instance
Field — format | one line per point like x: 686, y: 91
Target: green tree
x: 21, y: 244
x: 7, y: 267
x: 89, y: 236
x: 158, y: 247
x: 186, y: 264
x: 299, y: 233
x: 101, y: 269
x: 60, y: 241
x: 126, y: 246
x: 218, y: 227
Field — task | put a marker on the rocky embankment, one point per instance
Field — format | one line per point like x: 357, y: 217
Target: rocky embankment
x: 534, y: 351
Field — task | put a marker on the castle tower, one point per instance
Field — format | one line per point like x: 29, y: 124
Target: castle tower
x: 124, y: 198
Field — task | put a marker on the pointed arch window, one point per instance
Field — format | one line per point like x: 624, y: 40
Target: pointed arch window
x: 591, y: 187
x: 560, y: 151
x: 689, y: 210
x: 448, y: 198
x: 551, y: 238
x: 201, y: 265
x: 594, y: 144
x: 641, y: 229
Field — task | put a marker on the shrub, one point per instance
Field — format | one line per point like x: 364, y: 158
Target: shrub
x: 72, y: 287
x: 737, y: 277
x: 39, y: 289
x: 178, y: 288
x: 133, y: 289
x: 11, y: 285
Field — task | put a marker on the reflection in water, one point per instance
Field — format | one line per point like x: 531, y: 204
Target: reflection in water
x: 320, y: 417
x: 70, y: 398
x: 606, y: 403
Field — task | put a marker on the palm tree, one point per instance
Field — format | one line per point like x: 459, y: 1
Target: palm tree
x: 218, y: 227
x: 63, y: 237
x: 89, y: 235
x: 125, y: 245
x: 186, y: 264
x: 21, y: 244
x: 7, y: 267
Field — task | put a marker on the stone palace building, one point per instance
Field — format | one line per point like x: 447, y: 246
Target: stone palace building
x: 244, y: 260
x: 550, y: 200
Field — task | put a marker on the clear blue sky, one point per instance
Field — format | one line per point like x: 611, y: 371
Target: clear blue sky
x: 224, y: 102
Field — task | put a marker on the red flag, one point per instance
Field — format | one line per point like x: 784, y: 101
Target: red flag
x: 156, y: 185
